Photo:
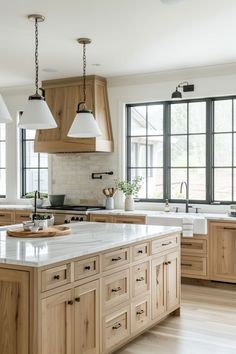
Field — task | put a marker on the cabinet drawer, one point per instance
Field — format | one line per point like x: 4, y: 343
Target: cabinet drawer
x: 193, y: 246
x: 6, y: 217
x: 140, y: 251
x: 116, y: 328
x: 140, y: 279
x: 100, y: 218
x: 166, y: 243
x: 140, y: 314
x: 121, y: 219
x: 115, y: 259
x: 86, y: 268
x: 115, y: 289
x: 55, y: 277
x: 191, y: 266
x: 22, y: 216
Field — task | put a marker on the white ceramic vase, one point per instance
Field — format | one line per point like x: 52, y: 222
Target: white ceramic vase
x: 129, y: 203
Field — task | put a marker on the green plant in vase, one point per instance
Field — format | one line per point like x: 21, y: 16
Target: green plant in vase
x: 130, y: 190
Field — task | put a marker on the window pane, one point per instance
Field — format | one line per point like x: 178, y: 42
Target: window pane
x: 138, y: 152
x: 179, y: 118
x: 2, y: 131
x: 155, y: 183
x: 43, y: 180
x: 177, y: 176
x: 155, y: 151
x: 197, y: 150
x: 135, y: 172
x: 197, y: 183
x: 223, y: 150
x: 31, y: 180
x: 234, y: 184
x: 30, y: 134
x: 43, y: 160
x: 223, y: 184
x: 155, y: 119
x: 234, y: 157
x: 197, y: 117
x: 223, y: 116
x: 2, y: 154
x: 31, y: 156
x: 138, y: 120
x: 2, y: 183
x: 235, y: 115
x: 179, y: 151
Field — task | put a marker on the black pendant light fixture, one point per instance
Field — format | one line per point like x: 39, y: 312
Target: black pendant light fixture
x: 185, y: 86
x: 84, y: 124
x: 36, y: 114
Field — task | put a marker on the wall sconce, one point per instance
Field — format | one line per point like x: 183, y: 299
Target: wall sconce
x: 185, y: 86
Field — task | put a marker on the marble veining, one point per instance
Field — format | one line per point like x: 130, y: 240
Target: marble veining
x: 86, y: 238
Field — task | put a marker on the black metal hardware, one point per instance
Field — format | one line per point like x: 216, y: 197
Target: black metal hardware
x: 140, y: 312
x: 140, y: 251
x: 116, y: 289
x: 98, y: 175
x: 70, y: 302
x: 87, y: 268
x: 186, y: 264
x: 56, y: 277
x: 140, y: 279
x: 229, y: 228
x: 186, y: 244
x: 116, y: 259
x: 117, y: 326
x: 166, y: 244
x: 77, y: 299
x: 169, y: 262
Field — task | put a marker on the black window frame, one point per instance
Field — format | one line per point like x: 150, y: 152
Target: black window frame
x: 167, y: 153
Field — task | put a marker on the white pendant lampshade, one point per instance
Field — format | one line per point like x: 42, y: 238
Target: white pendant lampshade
x: 4, y: 113
x: 84, y: 126
x: 37, y: 115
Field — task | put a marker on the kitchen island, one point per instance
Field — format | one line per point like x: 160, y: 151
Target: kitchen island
x: 89, y: 292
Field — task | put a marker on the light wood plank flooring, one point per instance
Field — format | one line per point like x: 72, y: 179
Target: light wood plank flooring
x: 207, y: 325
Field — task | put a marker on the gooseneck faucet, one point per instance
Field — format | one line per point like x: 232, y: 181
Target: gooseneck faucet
x: 187, y: 206
x: 36, y: 194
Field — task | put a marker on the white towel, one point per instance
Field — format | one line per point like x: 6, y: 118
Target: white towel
x: 187, y: 220
x: 187, y: 227
x: 187, y: 233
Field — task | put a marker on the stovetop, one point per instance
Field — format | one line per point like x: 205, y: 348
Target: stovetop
x: 75, y: 207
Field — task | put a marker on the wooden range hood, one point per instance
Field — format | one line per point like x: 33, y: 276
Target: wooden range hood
x: 63, y: 96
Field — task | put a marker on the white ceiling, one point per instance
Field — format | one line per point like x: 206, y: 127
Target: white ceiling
x: 129, y: 36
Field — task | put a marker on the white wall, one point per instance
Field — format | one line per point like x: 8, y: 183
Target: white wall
x: 210, y: 81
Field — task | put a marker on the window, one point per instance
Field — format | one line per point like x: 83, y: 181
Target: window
x: 34, y: 165
x: 2, y: 160
x: 188, y: 140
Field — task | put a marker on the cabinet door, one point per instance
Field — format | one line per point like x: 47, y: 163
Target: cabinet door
x: 87, y: 318
x: 173, y: 279
x: 158, y: 287
x: 57, y: 323
x: 14, y: 313
x: 223, y: 252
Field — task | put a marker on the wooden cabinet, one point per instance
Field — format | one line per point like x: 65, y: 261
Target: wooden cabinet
x: 100, y: 218
x: 223, y: 251
x: 119, y: 219
x: 14, y: 312
x: 9, y: 217
x: 63, y: 96
x: 172, y: 280
x: 6, y: 217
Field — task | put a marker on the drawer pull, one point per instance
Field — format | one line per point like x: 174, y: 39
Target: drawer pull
x: 140, y: 251
x: 2, y: 215
x: 24, y: 216
x: 187, y: 264
x: 169, y: 262
x: 229, y: 228
x: 116, y: 290
x: 167, y: 243
x: 56, y: 277
x: 186, y: 244
x: 70, y: 302
x: 116, y: 259
x: 140, y: 312
x: 118, y: 325
x: 87, y: 268
x: 140, y: 279
x: 77, y: 299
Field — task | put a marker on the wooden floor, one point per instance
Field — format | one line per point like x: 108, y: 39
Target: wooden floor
x: 207, y: 325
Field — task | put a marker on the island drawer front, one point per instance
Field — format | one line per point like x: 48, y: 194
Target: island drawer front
x: 22, y: 215
x: 140, y: 251
x: 122, y: 219
x: 140, y: 278
x: 55, y: 277
x: 6, y: 217
x: 115, y: 259
x: 116, y: 328
x: 193, y: 266
x: 140, y: 314
x: 86, y: 267
x: 166, y: 243
x: 115, y: 289
x: 193, y: 246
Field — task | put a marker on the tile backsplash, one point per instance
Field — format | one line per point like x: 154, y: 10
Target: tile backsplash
x: 71, y: 175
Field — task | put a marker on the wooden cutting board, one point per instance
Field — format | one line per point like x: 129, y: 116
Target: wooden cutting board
x: 49, y: 232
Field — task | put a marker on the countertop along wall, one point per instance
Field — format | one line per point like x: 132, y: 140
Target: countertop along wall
x: 71, y: 173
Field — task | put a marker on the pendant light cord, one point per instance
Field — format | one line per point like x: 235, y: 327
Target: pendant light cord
x: 84, y: 71
x: 36, y: 57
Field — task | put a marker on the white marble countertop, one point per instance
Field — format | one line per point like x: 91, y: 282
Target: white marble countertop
x: 86, y: 238
x: 16, y: 207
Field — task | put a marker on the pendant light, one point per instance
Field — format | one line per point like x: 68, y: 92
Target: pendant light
x: 37, y: 114
x: 4, y: 113
x: 185, y: 86
x: 84, y: 124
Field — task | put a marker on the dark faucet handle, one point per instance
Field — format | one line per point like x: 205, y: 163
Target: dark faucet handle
x: 196, y: 209
x: 176, y: 209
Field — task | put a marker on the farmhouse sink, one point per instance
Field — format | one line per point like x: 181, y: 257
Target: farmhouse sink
x: 176, y: 219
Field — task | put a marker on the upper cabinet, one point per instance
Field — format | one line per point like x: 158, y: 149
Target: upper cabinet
x: 63, y: 96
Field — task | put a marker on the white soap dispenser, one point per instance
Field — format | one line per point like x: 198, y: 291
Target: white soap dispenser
x: 167, y: 206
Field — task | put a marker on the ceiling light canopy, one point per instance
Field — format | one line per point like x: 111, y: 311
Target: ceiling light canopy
x: 4, y: 113
x: 36, y: 114
x: 185, y: 86
x: 84, y: 124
